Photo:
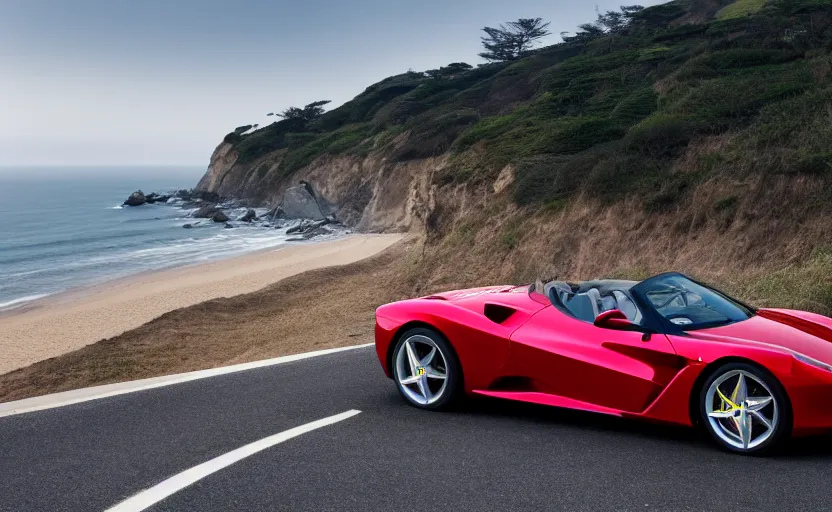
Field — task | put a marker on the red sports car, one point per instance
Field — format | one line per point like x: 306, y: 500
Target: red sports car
x: 667, y: 349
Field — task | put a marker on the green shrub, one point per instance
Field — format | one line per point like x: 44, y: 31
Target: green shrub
x: 295, y: 140
x: 232, y: 138
x: 720, y: 102
x: 740, y: 8
x: 681, y: 32
x: 726, y: 203
x: 569, y: 136
x: 620, y: 175
x: 349, y: 139
x: 661, y: 135
x: 802, y: 120
x: 661, y: 15
x: 489, y: 128
x: 266, y: 140
x: 746, y: 57
x: 550, y: 178
x: 694, y: 71
x: 653, y: 54
x: 637, y: 106
x: 434, y: 135
x: 817, y: 163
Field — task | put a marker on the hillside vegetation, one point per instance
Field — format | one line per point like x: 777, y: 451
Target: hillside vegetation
x: 698, y: 138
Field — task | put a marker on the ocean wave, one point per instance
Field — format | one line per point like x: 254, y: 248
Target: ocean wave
x: 20, y: 301
x: 52, y: 251
x: 65, y: 255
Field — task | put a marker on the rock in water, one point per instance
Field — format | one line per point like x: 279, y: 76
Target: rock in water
x: 137, y: 198
x: 183, y: 194
x: 220, y: 217
x: 156, y: 198
x: 250, y: 216
x: 206, y: 212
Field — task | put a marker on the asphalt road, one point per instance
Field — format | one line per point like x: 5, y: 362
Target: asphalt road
x: 490, y: 455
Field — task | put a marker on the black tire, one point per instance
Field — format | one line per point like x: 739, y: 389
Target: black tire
x: 782, y: 430
x: 453, y: 370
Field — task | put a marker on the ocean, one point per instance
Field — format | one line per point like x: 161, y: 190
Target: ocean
x: 62, y: 229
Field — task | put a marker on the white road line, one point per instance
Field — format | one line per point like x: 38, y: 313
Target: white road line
x: 178, y: 482
x: 94, y: 393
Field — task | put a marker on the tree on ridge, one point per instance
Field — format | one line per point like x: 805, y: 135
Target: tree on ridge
x: 512, y: 40
x: 308, y: 113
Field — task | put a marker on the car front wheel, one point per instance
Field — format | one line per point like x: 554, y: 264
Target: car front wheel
x: 745, y: 409
x: 426, y: 369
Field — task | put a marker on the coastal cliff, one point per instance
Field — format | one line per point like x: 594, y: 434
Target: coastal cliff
x: 370, y: 193
x: 696, y: 139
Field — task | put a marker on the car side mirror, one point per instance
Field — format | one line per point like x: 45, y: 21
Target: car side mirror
x: 616, y: 320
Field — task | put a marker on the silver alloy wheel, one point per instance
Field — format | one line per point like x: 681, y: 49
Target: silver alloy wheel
x: 422, y: 370
x: 741, y: 410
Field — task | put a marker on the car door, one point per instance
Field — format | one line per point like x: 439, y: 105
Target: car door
x: 564, y: 356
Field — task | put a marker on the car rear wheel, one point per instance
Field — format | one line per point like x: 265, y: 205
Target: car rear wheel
x: 426, y: 369
x: 745, y: 409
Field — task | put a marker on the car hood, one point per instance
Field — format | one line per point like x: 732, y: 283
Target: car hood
x: 796, y: 331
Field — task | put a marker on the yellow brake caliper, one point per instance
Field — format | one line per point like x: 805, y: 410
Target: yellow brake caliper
x: 727, y: 404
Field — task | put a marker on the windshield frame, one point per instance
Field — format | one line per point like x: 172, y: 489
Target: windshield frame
x: 669, y: 327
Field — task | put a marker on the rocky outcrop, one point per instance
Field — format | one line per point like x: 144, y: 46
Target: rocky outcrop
x: 304, y: 202
x: 308, y: 230
x: 307, y: 227
x: 212, y: 212
x: 374, y: 194
x: 366, y: 192
x: 206, y: 212
x: 156, y: 198
x: 249, y: 217
x: 317, y: 232
x: 137, y: 198
x: 215, y: 179
x: 183, y: 194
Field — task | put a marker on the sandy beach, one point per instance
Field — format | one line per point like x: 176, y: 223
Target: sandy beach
x: 72, y: 320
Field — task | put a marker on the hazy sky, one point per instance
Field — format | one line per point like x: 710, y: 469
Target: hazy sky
x: 102, y: 82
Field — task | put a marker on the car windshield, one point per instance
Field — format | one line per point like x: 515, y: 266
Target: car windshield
x: 690, y: 305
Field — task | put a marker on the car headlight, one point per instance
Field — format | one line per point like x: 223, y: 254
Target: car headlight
x: 811, y: 361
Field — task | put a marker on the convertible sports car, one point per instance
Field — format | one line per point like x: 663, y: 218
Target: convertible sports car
x: 667, y: 349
